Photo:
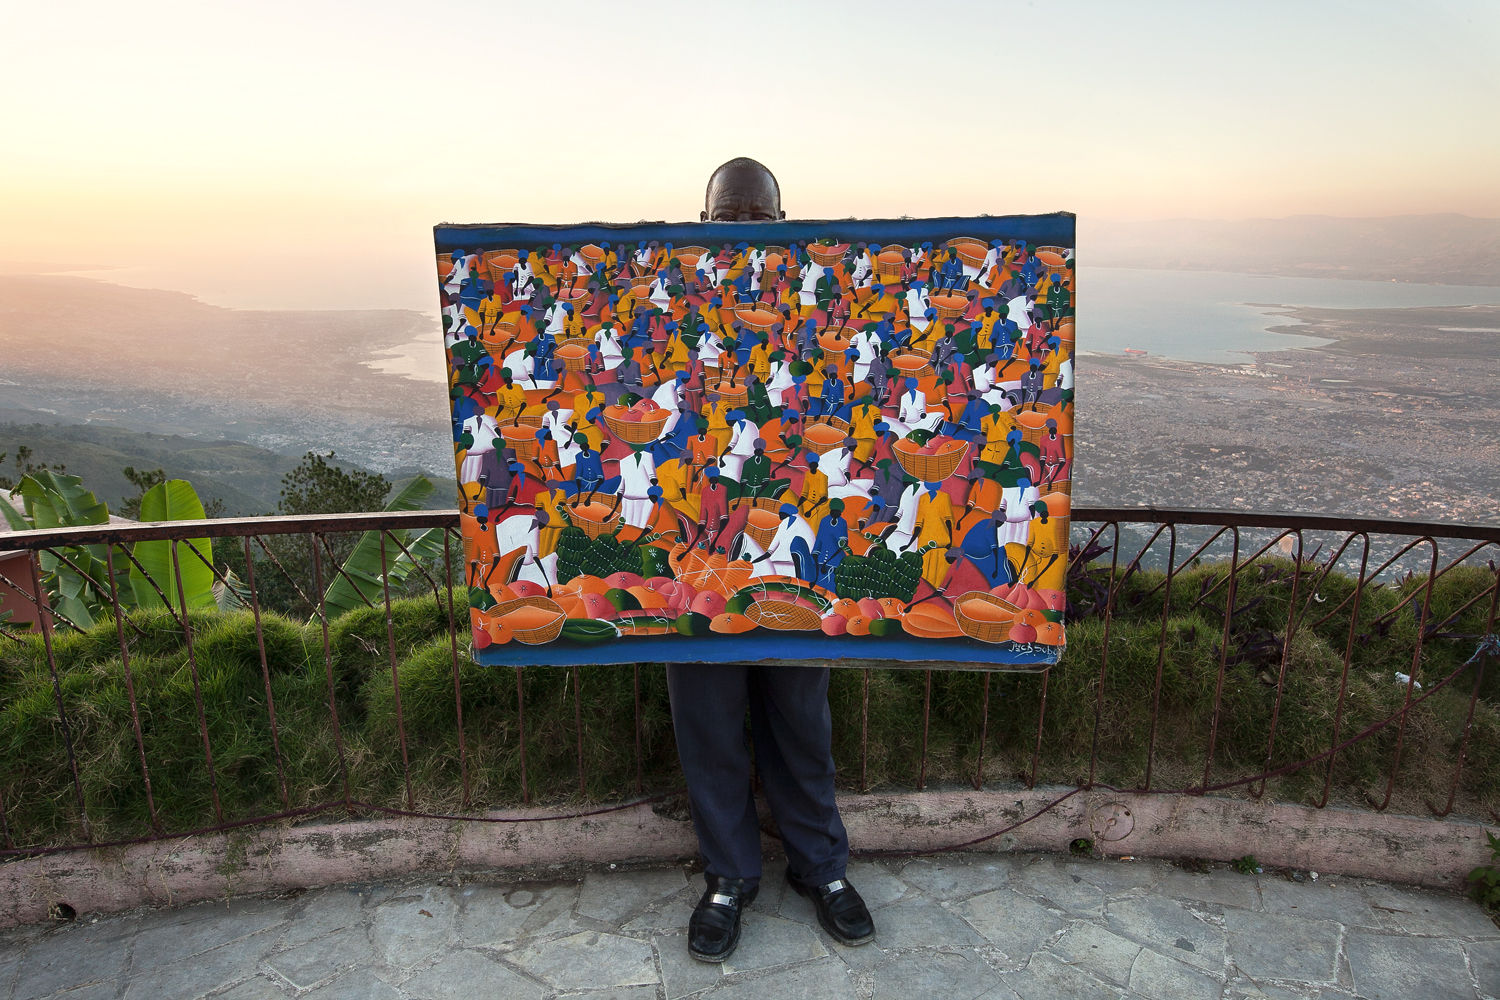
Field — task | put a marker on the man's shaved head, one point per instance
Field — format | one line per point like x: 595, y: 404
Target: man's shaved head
x: 742, y: 190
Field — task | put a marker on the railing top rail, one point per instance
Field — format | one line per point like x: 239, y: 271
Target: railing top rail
x: 302, y: 524
x: 226, y: 527
x: 1291, y: 520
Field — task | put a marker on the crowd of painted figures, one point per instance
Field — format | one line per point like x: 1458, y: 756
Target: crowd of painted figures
x: 845, y: 437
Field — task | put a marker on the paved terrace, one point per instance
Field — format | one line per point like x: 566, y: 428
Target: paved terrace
x: 955, y: 926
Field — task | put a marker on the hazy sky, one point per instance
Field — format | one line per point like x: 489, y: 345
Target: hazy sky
x: 297, y: 154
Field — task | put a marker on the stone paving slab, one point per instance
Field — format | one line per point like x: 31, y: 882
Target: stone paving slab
x: 953, y: 927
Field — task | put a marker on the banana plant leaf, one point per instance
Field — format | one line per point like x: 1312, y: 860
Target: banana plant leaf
x: 233, y: 594
x: 173, y: 500
x: 364, y: 567
x: 51, y: 500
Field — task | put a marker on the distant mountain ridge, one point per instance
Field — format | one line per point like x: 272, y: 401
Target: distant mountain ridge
x: 1443, y: 249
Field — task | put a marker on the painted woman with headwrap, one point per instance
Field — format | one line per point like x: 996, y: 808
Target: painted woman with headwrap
x: 789, y: 552
x: 935, y: 524
x: 1054, y: 455
x: 830, y: 545
x: 1016, y: 501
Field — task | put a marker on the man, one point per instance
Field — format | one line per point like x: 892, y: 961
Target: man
x: 790, y: 723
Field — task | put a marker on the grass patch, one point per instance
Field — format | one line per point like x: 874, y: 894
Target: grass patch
x: 40, y: 807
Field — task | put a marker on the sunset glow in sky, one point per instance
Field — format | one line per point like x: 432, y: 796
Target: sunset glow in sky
x: 297, y: 155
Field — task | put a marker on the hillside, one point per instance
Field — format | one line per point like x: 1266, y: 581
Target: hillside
x: 86, y: 351
x: 246, y: 478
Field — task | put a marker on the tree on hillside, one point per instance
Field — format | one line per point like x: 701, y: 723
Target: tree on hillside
x: 145, y: 479
x: 317, y: 486
x: 25, y: 467
x: 142, y: 481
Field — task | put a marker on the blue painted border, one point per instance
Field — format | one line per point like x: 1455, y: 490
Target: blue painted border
x: 747, y: 649
x: 1057, y: 229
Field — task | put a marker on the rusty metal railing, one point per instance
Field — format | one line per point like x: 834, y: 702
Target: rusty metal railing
x: 1097, y: 532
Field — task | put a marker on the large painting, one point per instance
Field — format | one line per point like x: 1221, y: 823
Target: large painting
x: 806, y: 442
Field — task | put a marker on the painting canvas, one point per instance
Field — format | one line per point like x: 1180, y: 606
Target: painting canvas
x: 817, y: 442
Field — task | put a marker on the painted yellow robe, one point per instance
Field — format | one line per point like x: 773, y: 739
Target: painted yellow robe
x: 934, y: 523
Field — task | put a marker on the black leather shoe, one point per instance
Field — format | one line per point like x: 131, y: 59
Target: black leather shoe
x: 841, y: 911
x: 714, y: 929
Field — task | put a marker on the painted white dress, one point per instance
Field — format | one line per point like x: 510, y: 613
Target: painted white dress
x: 781, y: 561
x: 522, y: 279
x: 518, y: 532
x: 810, y: 275
x: 668, y: 396
x: 636, y: 473
x: 485, y: 431
x: 741, y: 448
x: 906, y: 519
x: 912, y: 414
x: 459, y: 272
x: 780, y: 381
x: 710, y: 349
x: 1017, y: 503
x: 868, y: 346
x: 917, y: 304
x: 555, y: 422
x: 835, y: 464
x: 609, y: 349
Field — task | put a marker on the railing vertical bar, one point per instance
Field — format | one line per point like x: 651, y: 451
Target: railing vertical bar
x: 926, y: 720
x: 187, y: 636
x: 1229, y: 597
x: 1286, y: 656
x: 333, y: 706
x: 1161, y: 650
x: 984, y: 729
x: 390, y: 642
x: 135, y: 712
x: 1338, y: 712
x: 521, y: 732
x: 1411, y: 682
x: 578, y: 725
x: 458, y: 697
x: 1109, y: 617
x: 1041, y: 718
x: 1463, y: 744
x: 640, y: 769
x: 44, y: 614
x: 864, y: 735
x: 265, y: 673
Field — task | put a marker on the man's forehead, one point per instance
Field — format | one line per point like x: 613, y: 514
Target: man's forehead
x: 741, y: 183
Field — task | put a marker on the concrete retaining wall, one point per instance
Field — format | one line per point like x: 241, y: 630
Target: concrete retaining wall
x: 1420, y: 851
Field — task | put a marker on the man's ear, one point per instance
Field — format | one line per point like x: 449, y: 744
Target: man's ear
x: 782, y: 215
x: 703, y: 216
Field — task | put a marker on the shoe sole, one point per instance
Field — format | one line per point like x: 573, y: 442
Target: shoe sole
x: 842, y: 939
x: 716, y: 959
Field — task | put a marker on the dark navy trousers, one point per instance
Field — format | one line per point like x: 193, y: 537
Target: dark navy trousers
x: 792, y: 730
